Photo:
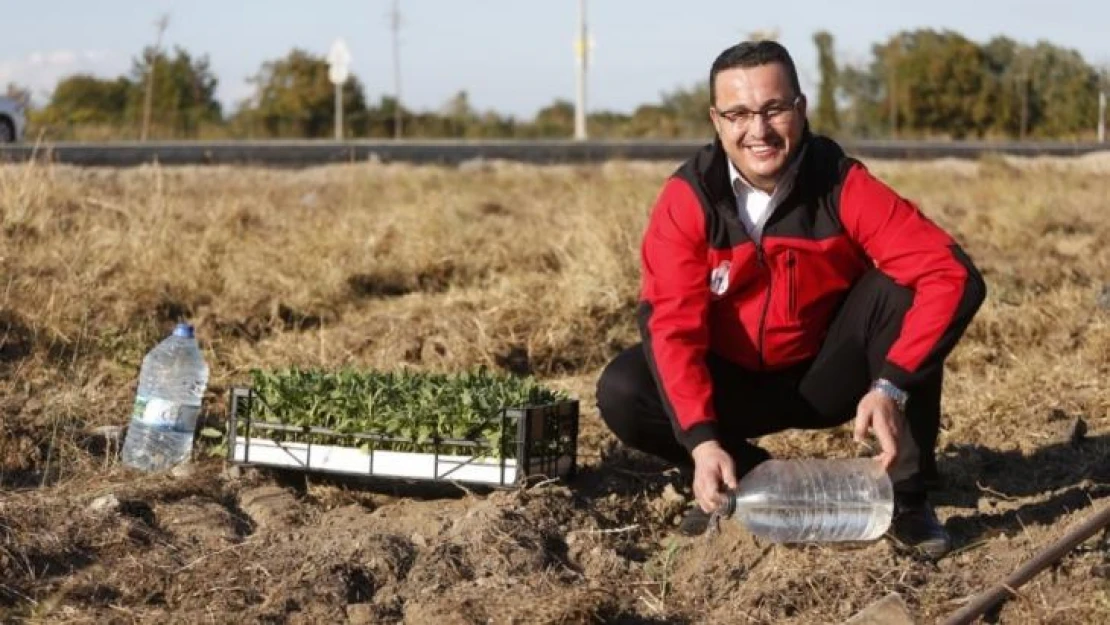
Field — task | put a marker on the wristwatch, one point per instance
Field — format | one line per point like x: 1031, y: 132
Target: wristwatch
x: 886, y: 387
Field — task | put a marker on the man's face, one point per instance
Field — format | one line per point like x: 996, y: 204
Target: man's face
x: 759, y: 119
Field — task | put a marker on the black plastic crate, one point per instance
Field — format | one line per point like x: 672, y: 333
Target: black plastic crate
x: 545, y: 446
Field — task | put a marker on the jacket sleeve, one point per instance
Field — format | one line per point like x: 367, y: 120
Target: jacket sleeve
x: 917, y: 254
x: 673, y: 311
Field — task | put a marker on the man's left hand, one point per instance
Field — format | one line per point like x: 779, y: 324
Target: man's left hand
x: 879, y: 413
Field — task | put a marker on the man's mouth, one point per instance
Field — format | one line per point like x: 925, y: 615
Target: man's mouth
x: 762, y: 150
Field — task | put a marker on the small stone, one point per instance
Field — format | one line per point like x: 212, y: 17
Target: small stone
x: 360, y: 614
x: 232, y: 472
x: 108, y: 432
x: 1104, y: 297
x: 418, y: 540
x: 183, y: 470
x: 104, y: 505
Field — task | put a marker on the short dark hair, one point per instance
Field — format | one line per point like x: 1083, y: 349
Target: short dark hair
x: 752, y: 54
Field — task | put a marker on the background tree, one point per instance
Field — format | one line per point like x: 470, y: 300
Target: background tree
x: 83, y: 101
x: 184, y: 93
x: 826, y: 119
x: 294, y: 98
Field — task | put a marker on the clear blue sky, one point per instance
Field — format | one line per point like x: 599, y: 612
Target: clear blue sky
x: 514, y: 56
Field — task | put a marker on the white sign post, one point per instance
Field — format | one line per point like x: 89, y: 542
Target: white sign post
x: 339, y: 61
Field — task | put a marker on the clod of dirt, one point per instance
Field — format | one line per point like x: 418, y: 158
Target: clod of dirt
x: 199, y: 521
x: 270, y: 507
x: 106, y: 504
x: 360, y: 614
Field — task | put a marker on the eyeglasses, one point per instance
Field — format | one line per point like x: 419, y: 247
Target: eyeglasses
x: 771, y: 113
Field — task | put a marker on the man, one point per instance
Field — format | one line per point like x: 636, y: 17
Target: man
x: 785, y: 287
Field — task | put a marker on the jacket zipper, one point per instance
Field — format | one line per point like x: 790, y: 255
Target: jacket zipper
x: 766, y: 300
x: 792, y: 296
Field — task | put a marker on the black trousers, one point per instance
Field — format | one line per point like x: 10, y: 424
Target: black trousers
x: 819, y: 394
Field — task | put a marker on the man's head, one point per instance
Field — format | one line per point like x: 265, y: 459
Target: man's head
x: 758, y: 109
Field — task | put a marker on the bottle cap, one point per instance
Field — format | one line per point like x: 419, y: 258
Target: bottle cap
x: 183, y: 330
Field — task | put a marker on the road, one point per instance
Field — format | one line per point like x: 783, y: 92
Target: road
x: 315, y: 152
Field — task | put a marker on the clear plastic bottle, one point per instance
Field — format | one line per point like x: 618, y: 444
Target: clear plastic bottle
x: 171, y: 385
x: 813, y: 500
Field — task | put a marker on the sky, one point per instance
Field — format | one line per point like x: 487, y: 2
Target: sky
x: 512, y: 56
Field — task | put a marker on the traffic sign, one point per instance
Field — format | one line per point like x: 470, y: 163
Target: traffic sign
x: 339, y: 61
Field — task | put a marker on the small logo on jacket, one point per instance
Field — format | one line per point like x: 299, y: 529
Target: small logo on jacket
x: 718, y: 279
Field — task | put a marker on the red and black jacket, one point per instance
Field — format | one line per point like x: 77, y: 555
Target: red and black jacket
x: 707, y: 286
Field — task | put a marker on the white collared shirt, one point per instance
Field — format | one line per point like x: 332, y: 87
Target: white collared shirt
x: 754, y: 206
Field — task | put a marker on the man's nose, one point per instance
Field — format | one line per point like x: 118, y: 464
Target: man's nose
x: 758, y: 126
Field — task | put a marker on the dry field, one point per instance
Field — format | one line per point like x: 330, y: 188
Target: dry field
x: 517, y: 267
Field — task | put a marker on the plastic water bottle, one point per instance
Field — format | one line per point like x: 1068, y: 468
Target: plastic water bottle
x: 171, y: 384
x: 813, y: 500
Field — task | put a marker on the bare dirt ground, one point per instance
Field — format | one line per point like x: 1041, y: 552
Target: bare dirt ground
x: 499, y: 265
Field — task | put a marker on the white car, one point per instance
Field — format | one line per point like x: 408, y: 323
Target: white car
x: 12, y: 120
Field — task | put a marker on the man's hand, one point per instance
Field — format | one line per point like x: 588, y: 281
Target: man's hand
x: 712, y: 467
x: 878, y: 412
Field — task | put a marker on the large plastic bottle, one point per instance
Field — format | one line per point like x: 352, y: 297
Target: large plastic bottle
x: 813, y: 500
x: 171, y: 385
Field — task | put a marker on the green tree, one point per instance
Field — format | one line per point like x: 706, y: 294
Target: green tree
x: 826, y: 119
x: 863, y: 89
x: 84, y: 99
x: 554, y: 120
x: 1063, y: 100
x: 689, y: 109
x: 184, y: 93
x: 294, y: 98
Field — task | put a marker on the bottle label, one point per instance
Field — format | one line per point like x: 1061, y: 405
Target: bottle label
x: 163, y: 414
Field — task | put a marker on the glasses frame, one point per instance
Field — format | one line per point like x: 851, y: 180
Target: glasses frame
x: 742, y: 118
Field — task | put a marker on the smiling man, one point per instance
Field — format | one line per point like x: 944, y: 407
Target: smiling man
x: 784, y: 286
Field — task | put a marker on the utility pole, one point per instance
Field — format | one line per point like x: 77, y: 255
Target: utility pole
x: 152, y: 62
x: 1101, y: 116
x: 395, y: 26
x: 582, y: 49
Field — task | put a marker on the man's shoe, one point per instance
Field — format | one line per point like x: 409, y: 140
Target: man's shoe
x: 915, y: 525
x: 695, y: 522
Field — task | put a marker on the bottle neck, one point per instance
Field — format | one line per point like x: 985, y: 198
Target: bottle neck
x: 728, y: 505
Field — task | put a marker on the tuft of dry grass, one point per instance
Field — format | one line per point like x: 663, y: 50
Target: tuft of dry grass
x: 527, y: 268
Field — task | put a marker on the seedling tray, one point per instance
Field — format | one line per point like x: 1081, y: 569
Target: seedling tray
x: 536, y: 442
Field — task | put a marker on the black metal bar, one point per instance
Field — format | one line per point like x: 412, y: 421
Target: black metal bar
x: 232, y: 422
x: 501, y: 450
x: 304, y: 429
x: 435, y: 457
x: 573, y: 415
x: 250, y: 419
x: 523, y: 443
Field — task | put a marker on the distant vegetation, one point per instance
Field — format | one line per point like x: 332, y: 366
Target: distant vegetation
x: 918, y: 84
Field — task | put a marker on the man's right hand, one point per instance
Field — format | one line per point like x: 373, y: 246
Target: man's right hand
x: 712, y: 468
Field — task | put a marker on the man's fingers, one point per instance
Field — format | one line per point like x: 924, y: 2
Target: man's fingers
x: 862, y: 421
x: 888, y: 440
x: 728, y: 474
x: 705, y: 490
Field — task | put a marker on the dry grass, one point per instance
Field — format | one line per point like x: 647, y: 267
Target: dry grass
x: 433, y: 268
